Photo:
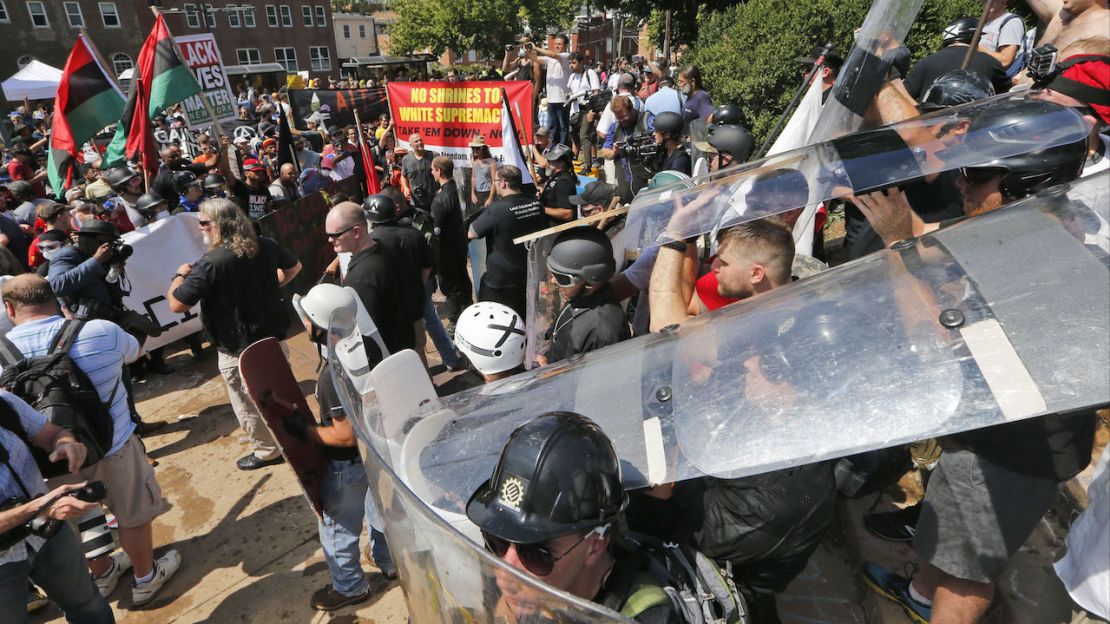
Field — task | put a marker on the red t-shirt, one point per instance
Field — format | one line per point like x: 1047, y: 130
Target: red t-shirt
x: 20, y: 171
x: 706, y: 287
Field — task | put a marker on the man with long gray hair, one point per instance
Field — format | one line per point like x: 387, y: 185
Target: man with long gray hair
x: 237, y: 284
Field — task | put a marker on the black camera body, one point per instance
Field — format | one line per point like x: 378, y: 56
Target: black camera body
x: 597, y: 102
x: 1042, y: 64
x: 122, y: 250
x: 46, y: 527
x: 643, y: 147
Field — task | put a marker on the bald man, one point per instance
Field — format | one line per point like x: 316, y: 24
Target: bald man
x: 416, y: 174
x: 285, y: 186
x: 375, y: 273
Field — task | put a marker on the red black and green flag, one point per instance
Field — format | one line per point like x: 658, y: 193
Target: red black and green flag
x: 87, y: 101
x: 165, y: 80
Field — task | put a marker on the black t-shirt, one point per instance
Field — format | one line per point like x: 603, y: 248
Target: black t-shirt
x: 255, y: 201
x: 413, y: 255
x: 239, y: 296
x: 448, y: 216
x: 557, y: 192
x: 586, y: 324
x: 678, y: 160
x: 419, y: 174
x: 506, y: 219
x: 951, y: 58
x: 374, y: 274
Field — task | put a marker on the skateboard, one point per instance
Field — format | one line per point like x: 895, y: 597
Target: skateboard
x: 273, y: 388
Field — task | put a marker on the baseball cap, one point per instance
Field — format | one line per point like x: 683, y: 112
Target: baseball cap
x: 596, y: 194
x: 49, y: 211
x: 251, y: 164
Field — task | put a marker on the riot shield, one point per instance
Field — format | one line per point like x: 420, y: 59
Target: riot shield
x: 446, y: 574
x: 850, y: 165
x: 999, y: 318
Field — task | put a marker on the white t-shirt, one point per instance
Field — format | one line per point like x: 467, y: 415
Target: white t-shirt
x: 1085, y: 570
x: 558, y: 70
x: 1005, y: 30
x: 579, y: 84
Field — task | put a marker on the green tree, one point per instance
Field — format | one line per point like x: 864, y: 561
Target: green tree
x: 747, y: 52
x: 481, y: 25
x: 364, y: 7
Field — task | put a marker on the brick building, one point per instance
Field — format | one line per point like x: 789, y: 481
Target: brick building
x: 295, y: 34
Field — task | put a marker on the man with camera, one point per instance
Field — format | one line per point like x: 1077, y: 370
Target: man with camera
x: 100, y: 350
x: 623, y: 143
x: 53, y: 563
x: 416, y: 174
x: 584, y: 87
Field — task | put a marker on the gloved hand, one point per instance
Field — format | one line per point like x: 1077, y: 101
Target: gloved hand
x: 296, y: 426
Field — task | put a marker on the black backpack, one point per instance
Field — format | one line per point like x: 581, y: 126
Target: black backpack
x: 57, y: 388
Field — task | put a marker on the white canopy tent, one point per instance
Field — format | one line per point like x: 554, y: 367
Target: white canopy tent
x: 36, y: 81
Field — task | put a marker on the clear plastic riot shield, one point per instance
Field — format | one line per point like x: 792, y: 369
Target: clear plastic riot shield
x: 999, y: 318
x: 446, y: 574
x: 854, y: 164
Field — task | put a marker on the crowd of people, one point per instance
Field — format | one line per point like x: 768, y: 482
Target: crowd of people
x: 439, y: 226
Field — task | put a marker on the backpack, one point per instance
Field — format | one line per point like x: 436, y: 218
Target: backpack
x: 657, y: 572
x: 57, y: 388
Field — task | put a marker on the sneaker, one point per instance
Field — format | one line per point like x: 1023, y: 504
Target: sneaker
x: 164, y: 568
x: 896, y: 588
x: 899, y: 525
x: 107, y: 584
x: 327, y: 599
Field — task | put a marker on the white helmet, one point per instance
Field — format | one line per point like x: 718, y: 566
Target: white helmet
x: 491, y: 336
x: 325, y: 304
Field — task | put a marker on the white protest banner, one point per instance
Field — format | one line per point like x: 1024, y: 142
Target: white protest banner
x: 203, y: 57
x: 160, y: 248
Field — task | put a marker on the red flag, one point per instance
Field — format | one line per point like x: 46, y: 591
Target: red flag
x: 140, y: 136
x: 373, y: 187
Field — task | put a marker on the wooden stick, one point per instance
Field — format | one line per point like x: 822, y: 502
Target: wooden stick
x: 974, y: 45
x: 601, y: 216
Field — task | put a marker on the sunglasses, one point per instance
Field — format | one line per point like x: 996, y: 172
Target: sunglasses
x: 204, y: 223
x: 336, y: 235
x: 536, y: 558
x: 980, y: 176
x: 563, y: 279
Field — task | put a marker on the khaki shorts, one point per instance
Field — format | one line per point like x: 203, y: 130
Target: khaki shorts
x: 134, y: 495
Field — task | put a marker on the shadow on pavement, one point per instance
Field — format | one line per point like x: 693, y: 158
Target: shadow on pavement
x: 213, y: 422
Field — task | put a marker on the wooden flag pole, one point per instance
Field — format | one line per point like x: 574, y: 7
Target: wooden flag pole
x: 974, y: 45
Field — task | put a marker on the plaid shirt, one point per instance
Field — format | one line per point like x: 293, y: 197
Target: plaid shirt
x: 20, y: 460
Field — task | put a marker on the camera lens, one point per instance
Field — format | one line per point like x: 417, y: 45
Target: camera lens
x: 124, y: 250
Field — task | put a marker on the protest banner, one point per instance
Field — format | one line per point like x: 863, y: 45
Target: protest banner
x: 451, y: 115
x: 203, y: 57
x: 186, y: 138
x: 341, y: 104
x: 160, y: 248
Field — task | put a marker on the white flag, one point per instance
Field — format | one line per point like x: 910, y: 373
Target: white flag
x: 510, y: 143
x: 795, y: 135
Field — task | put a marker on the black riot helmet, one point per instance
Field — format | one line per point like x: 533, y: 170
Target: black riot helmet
x: 119, y: 177
x: 558, y: 474
x: 214, y: 182
x: 956, y: 87
x: 380, y: 208
x: 735, y: 141
x: 148, y: 203
x: 670, y: 124
x: 729, y: 115
x: 961, y: 30
x: 584, y: 253
x: 1037, y: 168
x: 182, y: 180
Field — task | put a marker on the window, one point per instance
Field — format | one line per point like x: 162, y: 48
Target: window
x: 121, y: 63
x: 271, y: 15
x: 362, y: 31
x: 209, y: 16
x: 381, y: 28
x: 248, y: 16
x: 248, y: 56
x: 4, y: 19
x: 192, y: 17
x: 109, y: 15
x: 38, y: 15
x: 321, y: 16
x: 346, y: 31
x: 73, y: 14
x: 319, y: 58
x: 233, y: 16
x: 286, y: 16
x: 306, y: 13
x: 287, y: 57
x: 24, y: 61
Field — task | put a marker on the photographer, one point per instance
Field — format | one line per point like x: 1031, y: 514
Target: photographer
x: 56, y: 563
x: 622, y: 142
x: 583, y: 86
x: 668, y: 133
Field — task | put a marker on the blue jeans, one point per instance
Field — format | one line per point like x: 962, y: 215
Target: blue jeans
x: 558, y: 119
x: 59, y: 569
x: 346, y: 498
x: 477, y: 252
x: 434, y: 326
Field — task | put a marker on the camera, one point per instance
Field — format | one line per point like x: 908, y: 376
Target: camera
x: 122, y: 250
x: 1042, y: 64
x: 597, y: 102
x: 46, y: 527
x: 642, y: 147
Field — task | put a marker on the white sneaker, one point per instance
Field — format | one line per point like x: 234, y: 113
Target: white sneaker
x: 107, y: 584
x: 164, y: 568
